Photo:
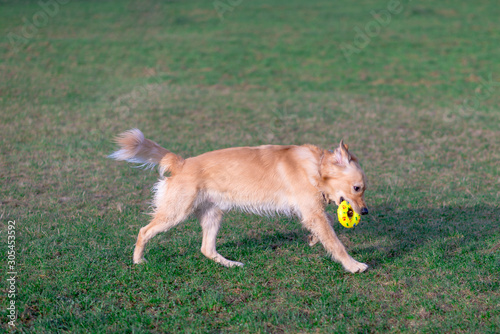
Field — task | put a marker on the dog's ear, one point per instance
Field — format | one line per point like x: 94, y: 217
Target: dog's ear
x: 341, y: 156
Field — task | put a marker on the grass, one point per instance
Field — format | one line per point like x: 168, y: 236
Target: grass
x: 269, y: 72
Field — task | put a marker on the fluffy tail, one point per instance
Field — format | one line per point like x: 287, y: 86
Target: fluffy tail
x: 135, y: 148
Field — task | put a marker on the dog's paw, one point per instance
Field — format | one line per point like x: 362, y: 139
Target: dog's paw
x: 139, y: 261
x: 356, y: 267
x: 229, y: 263
x: 222, y: 260
x: 235, y: 264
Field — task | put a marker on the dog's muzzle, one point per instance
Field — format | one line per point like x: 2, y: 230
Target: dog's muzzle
x: 364, y: 211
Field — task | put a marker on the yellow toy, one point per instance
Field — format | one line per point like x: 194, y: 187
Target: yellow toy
x: 347, y: 216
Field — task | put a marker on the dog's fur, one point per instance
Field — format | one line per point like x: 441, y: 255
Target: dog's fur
x: 291, y: 180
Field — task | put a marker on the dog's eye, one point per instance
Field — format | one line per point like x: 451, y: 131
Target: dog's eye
x: 356, y: 188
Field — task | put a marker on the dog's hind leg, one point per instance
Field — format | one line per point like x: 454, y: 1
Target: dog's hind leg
x: 159, y: 224
x: 175, y: 208
x: 210, y: 217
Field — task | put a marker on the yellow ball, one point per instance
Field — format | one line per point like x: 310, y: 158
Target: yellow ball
x: 347, y: 216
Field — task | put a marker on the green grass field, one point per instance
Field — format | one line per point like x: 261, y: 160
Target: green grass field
x: 418, y: 102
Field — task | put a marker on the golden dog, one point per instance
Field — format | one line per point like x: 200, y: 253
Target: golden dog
x: 290, y: 180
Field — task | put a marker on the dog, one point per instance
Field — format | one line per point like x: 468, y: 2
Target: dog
x: 292, y: 180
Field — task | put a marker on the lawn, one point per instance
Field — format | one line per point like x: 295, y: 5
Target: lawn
x: 416, y: 97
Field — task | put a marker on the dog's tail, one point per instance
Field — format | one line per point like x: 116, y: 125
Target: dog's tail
x: 135, y: 148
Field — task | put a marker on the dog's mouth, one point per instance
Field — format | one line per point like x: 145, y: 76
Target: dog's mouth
x: 328, y: 200
x: 350, y: 211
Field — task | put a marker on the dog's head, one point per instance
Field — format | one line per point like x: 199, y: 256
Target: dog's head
x: 343, y: 179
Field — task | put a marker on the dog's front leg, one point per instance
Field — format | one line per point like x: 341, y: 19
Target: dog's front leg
x: 320, y: 226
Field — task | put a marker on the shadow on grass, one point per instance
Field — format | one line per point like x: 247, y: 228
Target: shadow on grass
x: 388, y: 233
x: 449, y: 228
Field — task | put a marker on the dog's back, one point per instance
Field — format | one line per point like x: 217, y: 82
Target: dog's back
x: 263, y: 180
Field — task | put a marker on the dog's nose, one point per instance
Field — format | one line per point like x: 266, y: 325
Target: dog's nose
x: 364, y: 211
